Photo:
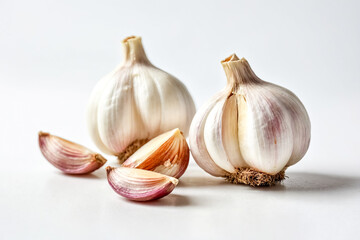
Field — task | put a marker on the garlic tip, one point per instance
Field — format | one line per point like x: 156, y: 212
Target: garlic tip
x: 130, y: 38
x: 175, y: 181
x: 43, y: 134
x: 100, y: 159
x: 109, y: 169
x: 231, y: 58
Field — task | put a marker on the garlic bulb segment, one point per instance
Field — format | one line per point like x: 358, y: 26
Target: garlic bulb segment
x: 138, y: 184
x: 136, y: 102
x: 167, y: 154
x: 67, y: 156
x: 251, y: 131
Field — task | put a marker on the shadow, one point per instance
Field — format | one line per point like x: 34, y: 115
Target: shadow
x: 192, y: 181
x: 314, y: 182
x: 98, y: 174
x: 172, y: 200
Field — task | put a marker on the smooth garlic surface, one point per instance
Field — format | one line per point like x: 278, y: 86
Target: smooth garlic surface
x: 251, y: 131
x: 136, y: 102
x: 69, y: 157
x: 167, y: 154
x: 138, y: 184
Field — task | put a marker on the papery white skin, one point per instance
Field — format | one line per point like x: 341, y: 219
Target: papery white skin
x: 251, y: 123
x: 136, y: 101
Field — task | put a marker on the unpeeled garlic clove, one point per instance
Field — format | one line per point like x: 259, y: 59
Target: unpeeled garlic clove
x: 140, y: 185
x: 67, y: 156
x: 167, y: 154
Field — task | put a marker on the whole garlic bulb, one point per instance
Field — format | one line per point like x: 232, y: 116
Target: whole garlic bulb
x: 136, y: 102
x: 251, y: 131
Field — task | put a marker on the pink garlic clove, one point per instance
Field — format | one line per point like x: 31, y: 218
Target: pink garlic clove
x: 67, y: 156
x: 140, y: 185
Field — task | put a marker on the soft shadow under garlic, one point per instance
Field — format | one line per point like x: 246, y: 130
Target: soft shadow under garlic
x: 172, y: 200
x: 200, y: 181
x: 100, y: 174
x: 314, y: 182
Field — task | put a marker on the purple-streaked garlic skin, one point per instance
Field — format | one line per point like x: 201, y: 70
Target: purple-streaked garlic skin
x: 197, y: 143
x: 250, y: 124
x: 140, y: 185
x: 69, y: 157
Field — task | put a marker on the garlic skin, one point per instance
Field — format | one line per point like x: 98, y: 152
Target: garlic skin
x: 251, y: 131
x: 136, y: 102
x: 167, y: 154
x: 140, y: 185
x: 69, y: 157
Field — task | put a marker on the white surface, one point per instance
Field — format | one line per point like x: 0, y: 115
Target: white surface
x: 53, y: 53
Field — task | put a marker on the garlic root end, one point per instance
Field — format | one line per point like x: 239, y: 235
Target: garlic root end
x: 255, y: 178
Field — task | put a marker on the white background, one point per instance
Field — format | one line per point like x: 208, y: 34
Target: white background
x: 52, y: 53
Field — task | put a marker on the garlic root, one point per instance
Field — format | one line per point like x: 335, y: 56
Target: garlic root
x: 254, y: 178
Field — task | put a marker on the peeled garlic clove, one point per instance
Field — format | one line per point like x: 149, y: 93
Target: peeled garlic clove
x: 140, y: 185
x: 135, y: 103
x: 251, y: 131
x: 67, y: 156
x: 167, y: 154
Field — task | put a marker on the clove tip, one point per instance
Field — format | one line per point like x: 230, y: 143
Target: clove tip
x: 100, y: 159
x: 231, y: 58
x: 130, y: 38
x: 109, y: 169
x: 43, y: 134
x: 175, y: 181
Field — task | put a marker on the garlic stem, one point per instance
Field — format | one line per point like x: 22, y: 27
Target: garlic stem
x: 238, y: 72
x: 134, y: 51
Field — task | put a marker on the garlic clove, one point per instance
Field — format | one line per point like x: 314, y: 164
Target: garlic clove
x: 92, y: 114
x: 138, y: 184
x: 67, y: 156
x: 197, y: 139
x: 214, y: 139
x: 230, y: 137
x: 167, y: 154
x: 266, y: 142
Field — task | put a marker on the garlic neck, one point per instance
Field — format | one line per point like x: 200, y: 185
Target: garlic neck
x: 238, y: 72
x: 134, y: 51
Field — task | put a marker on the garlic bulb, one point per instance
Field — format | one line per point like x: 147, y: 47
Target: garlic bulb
x: 136, y: 102
x: 251, y: 131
